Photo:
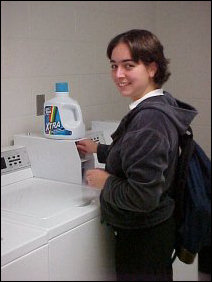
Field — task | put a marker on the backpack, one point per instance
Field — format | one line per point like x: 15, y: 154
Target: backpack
x: 192, y: 187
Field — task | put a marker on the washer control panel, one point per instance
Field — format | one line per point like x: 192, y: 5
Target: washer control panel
x: 96, y: 136
x: 13, y: 159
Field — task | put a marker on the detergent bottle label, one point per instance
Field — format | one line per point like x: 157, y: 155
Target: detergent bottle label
x: 53, y: 124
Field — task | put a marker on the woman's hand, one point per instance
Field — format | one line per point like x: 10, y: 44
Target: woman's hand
x: 96, y: 177
x: 86, y: 146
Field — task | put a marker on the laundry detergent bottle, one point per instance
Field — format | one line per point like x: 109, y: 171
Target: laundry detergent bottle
x: 63, y: 116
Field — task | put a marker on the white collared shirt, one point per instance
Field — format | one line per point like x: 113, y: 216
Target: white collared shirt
x: 156, y: 92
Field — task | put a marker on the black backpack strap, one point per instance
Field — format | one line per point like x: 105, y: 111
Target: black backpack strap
x: 186, y: 146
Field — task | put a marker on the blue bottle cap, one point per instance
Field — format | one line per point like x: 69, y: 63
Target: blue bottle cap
x: 61, y: 87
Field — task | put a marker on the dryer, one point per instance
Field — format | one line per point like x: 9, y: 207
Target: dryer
x: 51, y: 228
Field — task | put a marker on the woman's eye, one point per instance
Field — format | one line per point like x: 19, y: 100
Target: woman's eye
x: 129, y: 66
x: 113, y: 67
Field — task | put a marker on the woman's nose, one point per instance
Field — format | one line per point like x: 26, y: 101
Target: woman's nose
x: 120, y: 72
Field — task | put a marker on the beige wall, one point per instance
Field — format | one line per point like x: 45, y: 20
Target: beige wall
x: 44, y: 42
x: 184, y: 27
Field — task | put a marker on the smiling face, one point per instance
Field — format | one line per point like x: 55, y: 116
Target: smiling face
x: 133, y: 79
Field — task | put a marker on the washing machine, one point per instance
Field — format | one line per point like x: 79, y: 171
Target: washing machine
x: 51, y: 229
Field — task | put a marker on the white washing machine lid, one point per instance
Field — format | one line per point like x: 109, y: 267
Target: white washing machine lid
x: 18, y: 240
x: 52, y: 205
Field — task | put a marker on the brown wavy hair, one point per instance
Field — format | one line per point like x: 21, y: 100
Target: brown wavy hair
x: 146, y: 47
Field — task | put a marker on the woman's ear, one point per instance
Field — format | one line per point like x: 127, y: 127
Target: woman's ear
x: 152, y: 69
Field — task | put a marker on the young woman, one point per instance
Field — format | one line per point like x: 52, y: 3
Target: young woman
x: 140, y: 163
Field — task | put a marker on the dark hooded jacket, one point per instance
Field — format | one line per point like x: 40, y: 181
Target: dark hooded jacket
x: 142, y: 160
